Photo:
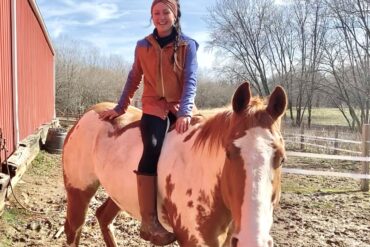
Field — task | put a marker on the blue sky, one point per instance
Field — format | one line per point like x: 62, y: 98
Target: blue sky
x: 114, y: 26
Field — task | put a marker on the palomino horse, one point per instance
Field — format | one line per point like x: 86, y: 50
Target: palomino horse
x: 217, y: 183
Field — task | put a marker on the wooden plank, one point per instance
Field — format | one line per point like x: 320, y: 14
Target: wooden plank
x: 4, y: 181
x: 365, y: 152
x: 322, y: 146
x: 328, y: 156
x: 323, y: 138
x: 325, y: 173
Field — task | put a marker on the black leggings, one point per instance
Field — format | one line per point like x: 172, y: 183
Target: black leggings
x: 153, y: 130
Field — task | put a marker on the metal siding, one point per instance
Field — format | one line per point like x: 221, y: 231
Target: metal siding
x: 6, y: 89
x: 35, y: 72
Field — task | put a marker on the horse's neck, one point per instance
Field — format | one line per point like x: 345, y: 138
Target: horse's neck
x: 190, y: 166
x: 194, y: 153
x: 190, y: 185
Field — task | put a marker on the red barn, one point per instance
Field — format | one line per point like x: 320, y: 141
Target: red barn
x: 27, y: 86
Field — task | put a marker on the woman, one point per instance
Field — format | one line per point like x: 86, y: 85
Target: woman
x: 167, y: 62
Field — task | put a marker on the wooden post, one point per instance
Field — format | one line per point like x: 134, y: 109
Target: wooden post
x: 365, y: 153
x: 302, y: 137
x: 335, y: 141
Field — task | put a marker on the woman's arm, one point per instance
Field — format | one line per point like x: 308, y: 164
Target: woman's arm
x: 189, y: 88
x: 190, y: 80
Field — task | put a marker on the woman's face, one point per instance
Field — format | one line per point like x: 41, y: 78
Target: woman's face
x: 163, y: 19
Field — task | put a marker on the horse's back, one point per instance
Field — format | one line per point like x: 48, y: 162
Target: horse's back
x: 83, y: 143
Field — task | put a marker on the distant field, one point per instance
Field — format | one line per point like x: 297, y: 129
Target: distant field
x: 326, y: 116
x: 320, y: 116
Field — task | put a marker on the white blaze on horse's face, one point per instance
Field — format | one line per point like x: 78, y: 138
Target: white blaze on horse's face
x: 251, y: 176
x: 257, y: 154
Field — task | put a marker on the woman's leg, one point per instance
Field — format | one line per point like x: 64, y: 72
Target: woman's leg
x: 153, y: 130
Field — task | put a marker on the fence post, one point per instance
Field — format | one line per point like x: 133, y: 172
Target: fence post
x: 365, y: 153
x: 302, y: 137
x: 335, y: 141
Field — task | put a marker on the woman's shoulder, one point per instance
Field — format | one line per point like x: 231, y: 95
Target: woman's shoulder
x: 189, y: 40
x: 144, y: 42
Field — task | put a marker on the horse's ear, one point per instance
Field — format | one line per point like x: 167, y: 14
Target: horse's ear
x: 241, y: 97
x: 277, y: 102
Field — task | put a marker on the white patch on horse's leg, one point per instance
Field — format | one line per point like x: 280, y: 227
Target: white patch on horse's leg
x: 71, y: 245
x: 257, y: 152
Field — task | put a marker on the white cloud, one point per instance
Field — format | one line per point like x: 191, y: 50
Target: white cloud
x: 114, y: 26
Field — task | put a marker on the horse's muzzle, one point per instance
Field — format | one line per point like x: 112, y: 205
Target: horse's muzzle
x: 235, y: 243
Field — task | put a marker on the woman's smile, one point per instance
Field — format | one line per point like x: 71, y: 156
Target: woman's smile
x: 163, y: 19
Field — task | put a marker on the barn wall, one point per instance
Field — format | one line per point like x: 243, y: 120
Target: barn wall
x: 6, y: 88
x: 35, y: 72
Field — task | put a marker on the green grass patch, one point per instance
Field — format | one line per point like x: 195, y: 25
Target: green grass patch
x: 13, y: 216
x: 292, y: 186
x: 328, y: 116
x: 44, y: 163
x: 10, y: 217
x: 320, y: 116
x: 312, y: 187
x: 6, y: 242
x: 324, y: 116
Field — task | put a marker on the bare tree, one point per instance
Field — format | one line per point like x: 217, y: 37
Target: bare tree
x: 269, y: 44
x: 347, y: 59
x: 311, y: 29
x: 238, y: 27
x: 85, y: 77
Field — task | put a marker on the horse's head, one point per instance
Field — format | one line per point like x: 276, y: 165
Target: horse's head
x: 251, y: 175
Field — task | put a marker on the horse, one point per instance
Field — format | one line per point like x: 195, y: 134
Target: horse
x: 218, y: 183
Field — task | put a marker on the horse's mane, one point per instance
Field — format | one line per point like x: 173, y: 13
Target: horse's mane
x: 214, y: 129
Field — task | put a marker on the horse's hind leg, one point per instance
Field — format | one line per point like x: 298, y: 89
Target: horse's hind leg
x: 77, y: 205
x: 106, y: 214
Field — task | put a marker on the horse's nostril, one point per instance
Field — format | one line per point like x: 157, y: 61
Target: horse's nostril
x: 234, y: 242
x: 270, y: 243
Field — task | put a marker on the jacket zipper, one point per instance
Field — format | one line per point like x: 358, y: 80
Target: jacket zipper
x: 162, y: 72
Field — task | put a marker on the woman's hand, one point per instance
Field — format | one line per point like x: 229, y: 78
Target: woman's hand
x: 108, y: 114
x: 182, y: 124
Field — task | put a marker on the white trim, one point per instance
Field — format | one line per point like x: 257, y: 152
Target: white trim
x: 54, y: 89
x: 38, y: 15
x: 15, y: 73
x: 37, y: 12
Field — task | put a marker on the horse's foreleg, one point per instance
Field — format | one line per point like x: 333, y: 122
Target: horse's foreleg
x: 106, y: 214
x: 77, y: 205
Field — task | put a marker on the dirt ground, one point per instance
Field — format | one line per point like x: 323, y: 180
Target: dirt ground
x: 314, y: 211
